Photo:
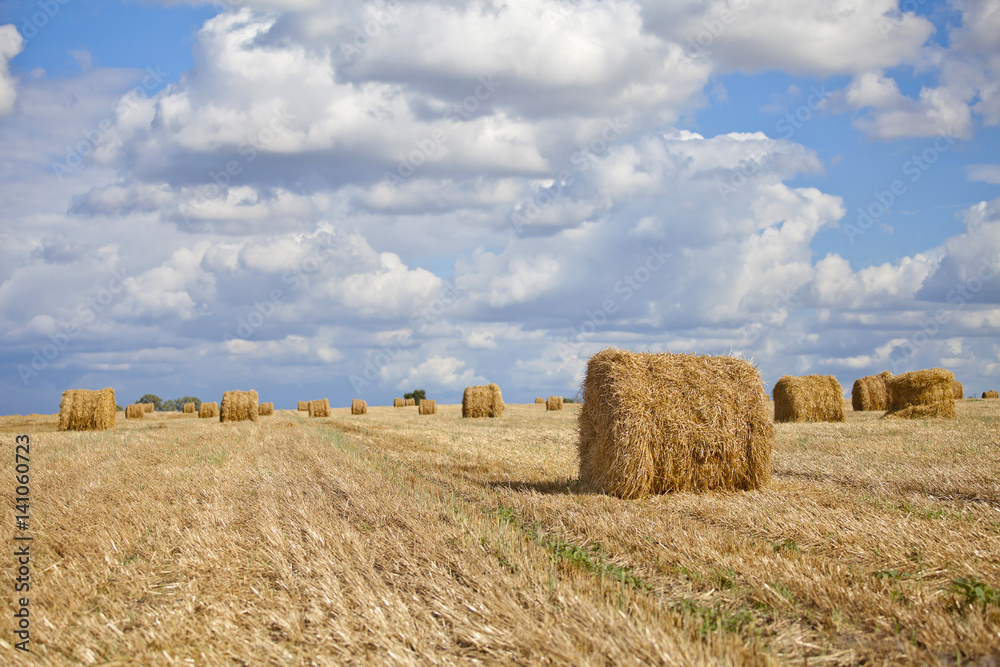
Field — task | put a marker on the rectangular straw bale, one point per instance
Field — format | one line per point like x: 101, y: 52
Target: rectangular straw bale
x: 483, y: 400
x: 359, y: 407
x: 87, y: 410
x: 991, y: 394
x: 239, y: 406
x: 870, y: 393
x: 554, y: 403
x: 428, y: 407
x: 656, y: 423
x: 398, y: 403
x: 149, y: 407
x: 189, y: 408
x: 409, y: 401
x: 303, y: 406
x: 808, y: 398
x: 266, y: 409
x: 539, y: 400
x: 208, y: 410
x: 319, y: 408
x: 922, y: 394
x: 135, y: 411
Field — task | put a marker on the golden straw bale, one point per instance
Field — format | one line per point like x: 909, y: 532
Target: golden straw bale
x: 409, y: 401
x: 991, y: 394
x: 921, y: 394
x: 870, y: 393
x: 428, y: 407
x: 208, y: 410
x: 239, y: 406
x: 149, y: 407
x: 808, y: 398
x: 87, y: 410
x: 957, y: 390
x: 482, y: 401
x: 398, y: 403
x: 303, y: 406
x: 359, y: 407
x: 554, y: 403
x: 319, y: 408
x: 655, y: 423
x: 189, y: 408
x: 539, y: 400
x: 135, y: 411
x: 266, y: 409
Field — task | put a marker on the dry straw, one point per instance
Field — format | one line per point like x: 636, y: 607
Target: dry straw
x: 991, y: 394
x: 539, y: 400
x: 149, y: 407
x: 303, y: 406
x: 957, y: 390
x: 870, y: 393
x: 266, y: 409
x: 409, y: 401
x: 398, y: 403
x: 239, y: 406
x: 482, y: 401
x: 428, y: 407
x: 319, y: 408
x: 208, y: 410
x: 135, y: 411
x: 921, y: 394
x: 808, y: 398
x: 554, y: 403
x: 654, y: 423
x: 189, y: 408
x: 87, y: 410
x: 359, y: 407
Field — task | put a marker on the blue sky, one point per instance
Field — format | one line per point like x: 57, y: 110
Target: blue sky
x: 196, y: 195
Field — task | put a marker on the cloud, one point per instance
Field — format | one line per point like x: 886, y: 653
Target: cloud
x: 11, y: 44
x: 984, y: 173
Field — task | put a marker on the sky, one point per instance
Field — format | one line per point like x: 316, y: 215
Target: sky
x: 355, y: 200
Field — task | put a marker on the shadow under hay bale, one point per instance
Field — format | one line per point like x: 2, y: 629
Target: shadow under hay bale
x: 482, y: 401
x: 189, y: 408
x: 266, y: 409
x: 656, y: 423
x: 135, y: 411
x: 957, y: 390
x: 539, y: 400
x: 87, y: 410
x: 991, y: 394
x: 208, y: 410
x: 359, y: 407
x: 808, y: 398
x: 239, y: 406
x: 319, y: 408
x: 921, y: 394
x: 428, y: 407
x: 554, y: 403
x: 870, y: 394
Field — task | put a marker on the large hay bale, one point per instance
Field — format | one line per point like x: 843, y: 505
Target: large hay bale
x: 655, y: 423
x: 957, y: 390
x: 239, y: 406
x: 149, y: 407
x: 208, y: 410
x: 135, y: 411
x: 554, y: 403
x: 428, y: 407
x: 359, y: 407
x: 409, y: 401
x: 539, y: 400
x: 991, y: 394
x: 189, y: 408
x: 266, y: 409
x: 303, y: 406
x: 808, y: 398
x: 319, y: 408
x: 398, y: 403
x: 482, y: 401
x: 87, y: 410
x: 870, y: 393
x: 921, y: 394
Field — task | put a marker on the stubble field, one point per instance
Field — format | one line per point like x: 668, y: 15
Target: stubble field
x: 404, y: 539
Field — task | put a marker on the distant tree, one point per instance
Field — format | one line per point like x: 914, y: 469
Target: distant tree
x: 169, y: 405
x: 188, y: 399
x: 567, y: 400
x: 152, y: 398
x: 119, y: 408
x: 417, y: 395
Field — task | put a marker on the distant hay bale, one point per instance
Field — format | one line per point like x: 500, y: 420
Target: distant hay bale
x: 135, y: 411
x: 957, y: 390
x: 359, y: 407
x: 319, y: 408
x: 870, y: 393
x: 207, y: 410
x: 188, y: 408
x: 428, y: 407
x: 149, y: 407
x: 239, y: 406
x: 554, y: 403
x: 266, y: 409
x: 87, y: 410
x: 922, y: 394
x: 398, y: 403
x: 655, y: 423
x: 482, y: 401
x: 991, y: 394
x: 303, y: 406
x: 808, y: 398
x: 409, y: 401
x: 539, y: 400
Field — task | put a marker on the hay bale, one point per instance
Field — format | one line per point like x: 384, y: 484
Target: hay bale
x: 482, y: 401
x: 189, y: 408
x: 957, y: 390
x: 398, y: 403
x: 554, y: 403
x: 991, y: 394
x: 265, y: 409
x: 207, y: 410
x: 870, y: 393
x: 921, y: 394
x: 409, y: 401
x: 539, y: 400
x: 149, y: 407
x: 359, y: 407
x: 428, y: 407
x: 303, y: 406
x: 135, y: 411
x: 87, y: 410
x: 239, y: 406
x: 655, y: 423
x: 808, y: 398
x: 319, y: 408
